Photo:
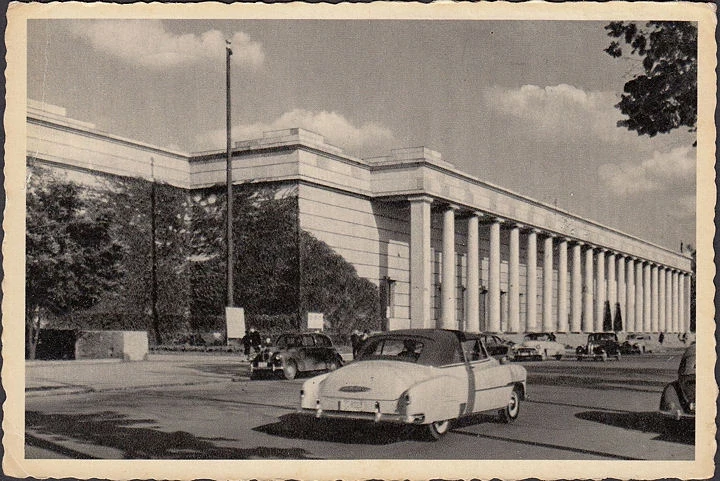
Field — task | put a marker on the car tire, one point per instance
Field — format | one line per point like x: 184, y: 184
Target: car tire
x: 436, y: 430
x: 290, y: 370
x: 618, y: 356
x: 510, y: 412
x: 558, y: 357
x: 604, y: 356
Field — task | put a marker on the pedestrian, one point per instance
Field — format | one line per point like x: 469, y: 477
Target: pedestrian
x: 355, y: 342
x: 661, y: 338
x: 255, y: 340
x: 246, y: 344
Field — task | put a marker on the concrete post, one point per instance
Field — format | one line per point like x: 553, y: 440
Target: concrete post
x: 494, y: 277
x: 531, y: 322
x: 601, y: 290
x: 420, y: 262
x: 447, y: 316
x: 576, y: 281
x: 548, y: 321
x: 588, y: 324
x: 473, y: 275
x: 514, y: 280
x: 562, y: 323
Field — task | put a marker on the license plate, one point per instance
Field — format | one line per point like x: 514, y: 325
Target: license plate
x: 268, y: 364
x: 356, y: 405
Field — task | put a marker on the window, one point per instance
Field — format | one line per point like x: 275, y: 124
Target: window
x: 322, y: 341
x: 406, y: 349
x: 473, y: 350
x: 307, y: 341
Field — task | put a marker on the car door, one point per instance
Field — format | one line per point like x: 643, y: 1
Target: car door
x: 306, y: 353
x: 491, y: 379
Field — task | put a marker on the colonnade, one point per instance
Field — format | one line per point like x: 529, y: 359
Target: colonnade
x: 651, y: 297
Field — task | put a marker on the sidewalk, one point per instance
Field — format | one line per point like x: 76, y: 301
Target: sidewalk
x: 167, y: 369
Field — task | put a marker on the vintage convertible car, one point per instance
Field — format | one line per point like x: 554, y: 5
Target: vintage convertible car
x: 422, y: 377
x: 539, y: 346
x: 296, y: 352
x: 677, y: 404
x: 600, y: 346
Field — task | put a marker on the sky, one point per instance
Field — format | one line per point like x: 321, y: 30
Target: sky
x: 525, y: 105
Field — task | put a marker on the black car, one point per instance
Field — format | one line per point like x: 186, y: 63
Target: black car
x: 600, y: 346
x: 296, y: 352
x: 496, y: 346
x: 677, y: 404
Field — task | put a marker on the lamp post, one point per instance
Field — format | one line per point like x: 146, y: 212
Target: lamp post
x: 229, y: 230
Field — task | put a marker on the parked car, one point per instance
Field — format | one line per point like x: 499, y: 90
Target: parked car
x: 600, y: 346
x: 421, y: 377
x: 544, y: 345
x: 496, y: 346
x: 637, y: 344
x: 296, y: 352
x: 677, y: 403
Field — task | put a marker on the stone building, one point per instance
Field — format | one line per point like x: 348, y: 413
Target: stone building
x: 446, y: 249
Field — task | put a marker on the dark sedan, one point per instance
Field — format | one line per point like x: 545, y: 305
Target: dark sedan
x: 296, y: 352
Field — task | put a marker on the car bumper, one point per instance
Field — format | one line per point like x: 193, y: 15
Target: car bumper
x: 519, y: 355
x: 677, y: 415
x: 264, y: 367
x: 365, y: 416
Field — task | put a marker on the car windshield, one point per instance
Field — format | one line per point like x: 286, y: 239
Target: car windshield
x: 405, y: 349
x: 538, y: 337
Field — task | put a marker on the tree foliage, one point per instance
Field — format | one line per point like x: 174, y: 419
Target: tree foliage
x: 72, y: 259
x: 664, y: 97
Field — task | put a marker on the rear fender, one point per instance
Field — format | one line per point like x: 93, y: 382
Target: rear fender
x: 311, y: 391
x: 438, y: 398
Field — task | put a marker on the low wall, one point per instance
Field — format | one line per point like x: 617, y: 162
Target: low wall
x: 125, y: 345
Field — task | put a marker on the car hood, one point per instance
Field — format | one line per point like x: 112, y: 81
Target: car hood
x: 377, y: 379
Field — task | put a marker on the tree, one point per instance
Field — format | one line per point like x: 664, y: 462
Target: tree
x: 664, y: 98
x: 71, y: 257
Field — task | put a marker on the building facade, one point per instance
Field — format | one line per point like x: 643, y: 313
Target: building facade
x: 444, y: 248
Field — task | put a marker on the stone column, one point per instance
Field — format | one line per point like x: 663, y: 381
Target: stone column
x: 494, y: 277
x: 668, y: 301
x: 577, y: 287
x: 662, y: 300
x: 548, y: 324
x: 688, y: 304
x: 601, y: 290
x: 681, y: 303
x: 611, y: 283
x: 639, y: 298
x: 447, y: 313
x: 473, y: 274
x: 630, y: 295
x: 675, y: 303
x: 647, y: 298
x: 562, y: 323
x: 655, y: 318
x: 531, y: 322
x: 621, y: 290
x: 588, y: 325
x: 514, y: 280
x: 420, y: 262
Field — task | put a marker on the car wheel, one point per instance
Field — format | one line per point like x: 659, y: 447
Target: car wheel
x: 618, y: 356
x: 510, y: 412
x: 290, y: 370
x: 437, y: 429
x: 603, y: 356
x: 558, y: 356
x: 332, y: 365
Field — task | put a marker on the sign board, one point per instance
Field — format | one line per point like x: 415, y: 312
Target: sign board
x: 315, y: 320
x: 235, y: 318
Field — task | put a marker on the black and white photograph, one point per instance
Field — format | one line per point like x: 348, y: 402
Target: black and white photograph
x: 350, y: 241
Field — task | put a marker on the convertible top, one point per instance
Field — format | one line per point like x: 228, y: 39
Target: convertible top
x: 441, y: 346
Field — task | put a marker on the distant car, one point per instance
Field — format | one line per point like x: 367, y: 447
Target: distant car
x: 600, y: 346
x: 637, y: 344
x: 544, y: 344
x: 677, y: 403
x: 296, y: 352
x: 497, y: 347
x: 421, y: 377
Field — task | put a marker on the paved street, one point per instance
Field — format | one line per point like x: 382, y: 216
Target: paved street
x: 205, y: 407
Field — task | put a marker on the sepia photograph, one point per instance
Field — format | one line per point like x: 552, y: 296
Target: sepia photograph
x: 360, y: 241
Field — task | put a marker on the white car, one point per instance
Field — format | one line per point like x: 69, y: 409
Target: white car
x: 422, y: 377
x: 543, y: 343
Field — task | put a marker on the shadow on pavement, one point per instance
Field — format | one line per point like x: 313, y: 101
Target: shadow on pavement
x: 299, y: 426
x: 116, y: 431
x: 590, y: 382
x: 647, y: 422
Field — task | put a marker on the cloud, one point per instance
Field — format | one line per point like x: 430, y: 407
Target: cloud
x: 662, y: 171
x: 561, y: 111
x: 149, y: 44
x: 370, y: 137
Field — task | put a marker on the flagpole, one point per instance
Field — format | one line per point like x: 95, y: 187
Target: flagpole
x: 229, y: 230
